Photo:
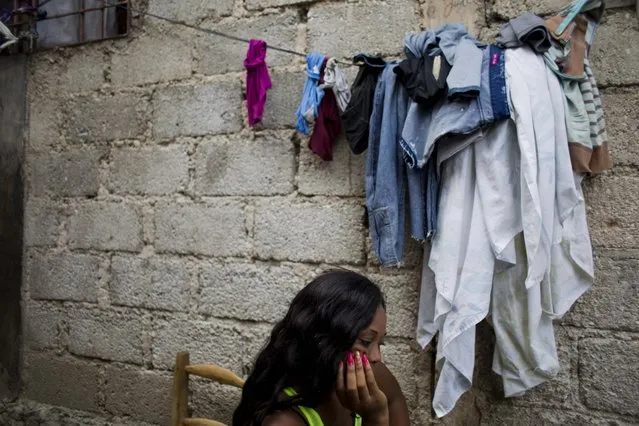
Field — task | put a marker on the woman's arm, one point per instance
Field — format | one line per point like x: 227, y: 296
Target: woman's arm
x: 397, y: 408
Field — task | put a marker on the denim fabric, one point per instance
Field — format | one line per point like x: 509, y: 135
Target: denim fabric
x: 384, y: 177
x: 432, y: 195
x: 388, y: 179
x: 312, y: 95
x: 498, y: 91
x: 424, y: 127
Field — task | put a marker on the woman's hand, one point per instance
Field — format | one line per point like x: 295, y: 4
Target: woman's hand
x: 357, y: 390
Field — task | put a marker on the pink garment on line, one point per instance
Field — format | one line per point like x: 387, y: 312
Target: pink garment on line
x: 257, y: 80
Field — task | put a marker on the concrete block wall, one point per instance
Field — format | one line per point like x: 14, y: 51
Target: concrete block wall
x: 157, y: 221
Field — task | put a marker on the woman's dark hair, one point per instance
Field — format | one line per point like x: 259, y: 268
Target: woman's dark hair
x: 304, y: 350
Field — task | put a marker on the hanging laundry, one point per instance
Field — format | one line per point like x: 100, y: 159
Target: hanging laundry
x: 568, y: 58
x: 478, y: 69
x: 335, y: 79
x: 416, y: 74
x: 572, y: 32
x: 258, y: 80
x: 356, y: 116
x: 388, y: 177
x: 558, y: 253
x: 312, y: 95
x: 527, y: 29
x: 328, y: 125
x: 509, y: 242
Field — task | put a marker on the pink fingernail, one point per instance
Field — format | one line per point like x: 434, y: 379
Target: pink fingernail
x: 350, y: 359
x: 365, y: 359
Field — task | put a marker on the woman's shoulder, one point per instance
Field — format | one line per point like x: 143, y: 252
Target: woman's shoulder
x: 284, y: 418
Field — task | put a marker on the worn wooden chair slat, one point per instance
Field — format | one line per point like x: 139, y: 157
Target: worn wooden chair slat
x: 201, y: 422
x: 180, y: 394
x: 215, y: 373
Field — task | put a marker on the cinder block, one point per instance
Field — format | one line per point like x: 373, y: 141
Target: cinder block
x: 319, y: 177
x: 612, y: 214
x: 61, y: 381
x: 74, y: 173
x: 217, y: 229
x: 402, y: 300
x: 139, y: 394
x: 283, y: 99
x: 106, y: 226
x: 191, y: 10
x: 615, y: 52
x: 315, y: 231
x: 358, y: 174
x: 137, y: 62
x: 612, y: 302
x: 608, y: 375
x: 250, y: 291
x: 40, y: 326
x: 44, y: 125
x: 263, y: 4
x: 622, y: 124
x: 80, y: 69
x: 232, y: 166
x: 255, y: 336
x: 99, y: 118
x: 42, y: 219
x: 107, y: 335
x: 471, y: 13
x: 217, y: 341
x: 64, y: 276
x: 213, y: 108
x: 214, y: 401
x: 279, y: 29
x: 150, y: 170
x: 155, y: 283
x: 503, y: 415
x: 402, y: 360
x: 507, y: 9
x: 345, y: 29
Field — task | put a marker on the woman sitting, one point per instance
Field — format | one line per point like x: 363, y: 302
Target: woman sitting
x: 322, y: 364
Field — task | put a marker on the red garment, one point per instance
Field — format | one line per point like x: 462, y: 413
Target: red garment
x: 328, y: 124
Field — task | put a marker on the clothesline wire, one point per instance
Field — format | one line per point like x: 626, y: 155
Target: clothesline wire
x: 205, y: 30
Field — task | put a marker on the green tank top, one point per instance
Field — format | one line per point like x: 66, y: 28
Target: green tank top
x: 311, y: 416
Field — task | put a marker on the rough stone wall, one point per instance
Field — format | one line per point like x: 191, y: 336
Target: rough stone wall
x: 157, y: 221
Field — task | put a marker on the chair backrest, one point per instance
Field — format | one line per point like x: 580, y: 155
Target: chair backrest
x: 180, y: 395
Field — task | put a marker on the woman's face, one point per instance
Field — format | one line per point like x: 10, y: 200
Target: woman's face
x: 371, y: 338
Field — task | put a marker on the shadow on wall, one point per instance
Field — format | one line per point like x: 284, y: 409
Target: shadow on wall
x: 12, y: 118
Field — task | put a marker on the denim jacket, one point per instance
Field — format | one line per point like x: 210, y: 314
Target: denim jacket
x: 474, y: 65
x: 390, y: 173
x: 388, y: 178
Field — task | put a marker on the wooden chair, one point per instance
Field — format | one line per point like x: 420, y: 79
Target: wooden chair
x: 180, y: 395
